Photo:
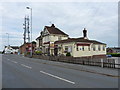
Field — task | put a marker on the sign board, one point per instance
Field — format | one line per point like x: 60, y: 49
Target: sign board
x: 52, y: 45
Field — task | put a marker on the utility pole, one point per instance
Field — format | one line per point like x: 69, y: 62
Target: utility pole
x: 31, y: 29
x: 8, y: 38
x: 28, y: 32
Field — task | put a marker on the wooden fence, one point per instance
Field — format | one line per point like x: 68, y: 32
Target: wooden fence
x: 101, y: 62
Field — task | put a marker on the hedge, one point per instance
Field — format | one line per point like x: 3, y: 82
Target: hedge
x: 114, y: 54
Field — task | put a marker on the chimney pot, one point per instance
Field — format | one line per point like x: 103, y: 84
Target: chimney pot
x: 84, y: 33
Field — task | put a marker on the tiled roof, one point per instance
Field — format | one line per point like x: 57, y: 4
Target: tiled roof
x: 14, y: 47
x: 53, y: 30
x: 78, y: 40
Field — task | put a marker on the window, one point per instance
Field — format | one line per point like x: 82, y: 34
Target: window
x: 83, y: 48
x: 103, y: 48
x: 99, y: 48
x: 89, y: 48
x: 66, y: 49
x: 77, y: 48
x: 59, y: 38
x: 70, y: 49
x: 93, y: 47
x: 59, y: 48
x: 80, y: 48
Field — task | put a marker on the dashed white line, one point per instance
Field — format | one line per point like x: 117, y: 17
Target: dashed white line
x: 26, y: 66
x: 14, y: 61
x: 57, y: 77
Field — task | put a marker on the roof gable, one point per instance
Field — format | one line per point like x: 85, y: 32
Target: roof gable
x: 54, y: 30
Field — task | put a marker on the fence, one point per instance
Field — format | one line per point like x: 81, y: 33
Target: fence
x: 101, y: 62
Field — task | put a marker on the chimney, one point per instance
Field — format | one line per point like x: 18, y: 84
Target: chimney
x: 85, y: 33
x: 52, y: 25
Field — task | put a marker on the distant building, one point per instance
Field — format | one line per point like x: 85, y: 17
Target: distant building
x: 80, y: 47
x: 11, y: 49
x: 49, y: 35
x: 26, y: 48
x: 113, y: 50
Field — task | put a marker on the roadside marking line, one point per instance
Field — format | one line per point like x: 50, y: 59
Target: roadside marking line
x: 26, y: 66
x: 57, y: 77
x: 14, y: 61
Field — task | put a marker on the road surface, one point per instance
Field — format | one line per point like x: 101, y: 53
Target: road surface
x: 23, y: 72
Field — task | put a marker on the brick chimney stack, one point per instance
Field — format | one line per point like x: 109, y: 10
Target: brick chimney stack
x: 52, y: 25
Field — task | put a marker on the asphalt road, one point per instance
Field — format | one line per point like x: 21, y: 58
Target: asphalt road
x: 23, y: 72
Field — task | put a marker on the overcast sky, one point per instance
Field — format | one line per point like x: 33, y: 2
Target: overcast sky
x: 99, y: 18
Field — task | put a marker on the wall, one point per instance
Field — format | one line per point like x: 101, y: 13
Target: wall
x: 46, y: 39
x: 86, y: 52
x: 37, y: 43
x: 53, y: 38
x: 80, y: 52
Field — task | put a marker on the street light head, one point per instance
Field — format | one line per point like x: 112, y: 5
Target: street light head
x: 28, y: 7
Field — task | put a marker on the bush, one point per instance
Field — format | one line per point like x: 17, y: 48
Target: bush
x: 28, y: 53
x: 114, y: 54
x: 68, y: 54
x: 38, y: 52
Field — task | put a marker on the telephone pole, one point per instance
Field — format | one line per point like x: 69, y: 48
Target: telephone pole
x: 8, y: 38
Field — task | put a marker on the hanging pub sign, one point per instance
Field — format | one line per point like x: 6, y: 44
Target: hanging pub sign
x: 52, y: 45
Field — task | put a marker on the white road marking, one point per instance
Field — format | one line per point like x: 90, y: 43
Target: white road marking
x: 8, y: 59
x: 14, y: 61
x: 26, y: 66
x: 57, y: 77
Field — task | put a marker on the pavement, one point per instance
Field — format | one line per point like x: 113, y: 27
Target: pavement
x: 23, y: 72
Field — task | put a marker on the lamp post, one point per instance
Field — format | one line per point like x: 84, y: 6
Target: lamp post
x: 31, y: 28
x: 8, y: 38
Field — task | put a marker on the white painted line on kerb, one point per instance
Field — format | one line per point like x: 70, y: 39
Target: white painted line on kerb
x: 26, y: 66
x: 57, y: 77
x: 14, y: 61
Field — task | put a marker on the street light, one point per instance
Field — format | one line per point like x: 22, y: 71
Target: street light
x: 8, y: 38
x: 31, y: 28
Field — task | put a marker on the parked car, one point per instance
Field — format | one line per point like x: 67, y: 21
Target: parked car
x: 109, y: 55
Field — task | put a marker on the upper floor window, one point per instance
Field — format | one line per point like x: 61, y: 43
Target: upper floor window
x: 99, y: 48
x: 94, y: 48
x: 59, y: 37
x: 103, y: 48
